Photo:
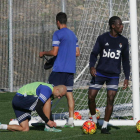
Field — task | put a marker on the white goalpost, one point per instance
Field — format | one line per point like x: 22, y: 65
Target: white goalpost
x: 135, y: 60
x: 94, y: 22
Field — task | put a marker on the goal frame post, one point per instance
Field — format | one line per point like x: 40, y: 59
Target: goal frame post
x: 135, y: 60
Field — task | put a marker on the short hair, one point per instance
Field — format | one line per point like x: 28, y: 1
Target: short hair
x: 112, y: 21
x: 61, y: 17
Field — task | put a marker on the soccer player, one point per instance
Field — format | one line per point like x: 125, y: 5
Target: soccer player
x: 112, y: 48
x: 35, y: 96
x: 65, y: 47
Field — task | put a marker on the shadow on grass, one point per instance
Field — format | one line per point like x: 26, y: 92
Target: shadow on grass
x: 5, y: 131
x: 37, y: 126
x: 40, y: 128
x: 114, y: 127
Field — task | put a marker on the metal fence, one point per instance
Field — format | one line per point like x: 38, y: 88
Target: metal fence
x: 26, y: 28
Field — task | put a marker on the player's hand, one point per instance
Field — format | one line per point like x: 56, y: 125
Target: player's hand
x: 125, y: 85
x: 41, y: 54
x: 93, y: 71
x: 51, y: 123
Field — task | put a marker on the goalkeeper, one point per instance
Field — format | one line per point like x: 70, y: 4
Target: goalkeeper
x: 112, y: 48
x: 34, y: 96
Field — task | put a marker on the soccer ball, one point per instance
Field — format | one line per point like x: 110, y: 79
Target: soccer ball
x: 97, y: 114
x: 89, y: 127
x: 138, y: 126
x: 77, y: 116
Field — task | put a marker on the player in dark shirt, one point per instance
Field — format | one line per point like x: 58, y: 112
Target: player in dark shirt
x: 113, y: 49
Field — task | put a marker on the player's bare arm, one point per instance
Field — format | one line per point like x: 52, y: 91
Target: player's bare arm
x: 77, y: 51
x: 42, y: 114
x: 52, y: 52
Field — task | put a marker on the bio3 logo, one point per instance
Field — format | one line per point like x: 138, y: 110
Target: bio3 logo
x: 110, y: 54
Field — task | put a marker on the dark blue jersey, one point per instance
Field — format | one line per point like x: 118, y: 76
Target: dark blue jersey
x: 112, y: 51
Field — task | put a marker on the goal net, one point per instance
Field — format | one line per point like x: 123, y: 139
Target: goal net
x: 94, y: 22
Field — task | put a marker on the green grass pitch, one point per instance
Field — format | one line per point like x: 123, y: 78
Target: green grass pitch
x: 37, y: 133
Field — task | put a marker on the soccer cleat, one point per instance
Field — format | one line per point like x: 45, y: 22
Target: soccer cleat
x: 52, y: 130
x: 105, y: 131
x: 68, y: 125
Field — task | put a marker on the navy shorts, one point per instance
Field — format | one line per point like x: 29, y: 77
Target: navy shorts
x: 62, y: 78
x: 98, y: 81
x: 23, y: 106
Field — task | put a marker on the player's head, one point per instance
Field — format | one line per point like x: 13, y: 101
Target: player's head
x: 59, y: 91
x: 115, y: 24
x: 61, y: 18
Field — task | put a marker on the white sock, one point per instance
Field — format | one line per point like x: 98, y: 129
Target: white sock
x: 70, y: 121
x: 105, y: 124
x: 3, y: 126
x: 94, y: 119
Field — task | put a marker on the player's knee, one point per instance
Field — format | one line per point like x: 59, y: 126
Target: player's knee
x: 91, y: 100
x: 92, y: 94
x: 91, y: 97
x: 25, y: 129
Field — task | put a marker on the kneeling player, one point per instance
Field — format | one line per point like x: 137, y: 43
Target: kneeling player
x: 34, y: 96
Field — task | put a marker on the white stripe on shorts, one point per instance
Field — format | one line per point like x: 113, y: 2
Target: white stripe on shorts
x: 23, y: 116
x: 96, y: 86
x: 33, y: 105
x: 112, y: 86
x: 69, y: 87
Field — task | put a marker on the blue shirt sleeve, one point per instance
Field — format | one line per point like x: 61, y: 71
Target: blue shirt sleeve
x: 45, y: 93
x: 55, y: 40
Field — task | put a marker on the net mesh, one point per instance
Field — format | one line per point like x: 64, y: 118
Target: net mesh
x: 94, y: 22
x: 33, y: 24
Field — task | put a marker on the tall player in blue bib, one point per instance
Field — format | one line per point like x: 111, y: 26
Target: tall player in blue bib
x: 65, y: 47
x: 113, y: 49
x: 31, y: 97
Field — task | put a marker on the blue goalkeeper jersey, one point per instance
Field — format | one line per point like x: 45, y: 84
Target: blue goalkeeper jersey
x: 67, y: 42
x: 112, y: 51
